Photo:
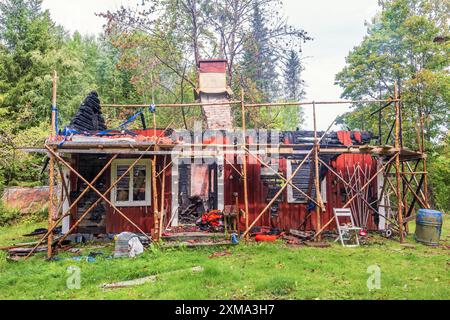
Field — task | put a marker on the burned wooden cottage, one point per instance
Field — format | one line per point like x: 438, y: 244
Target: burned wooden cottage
x: 150, y: 181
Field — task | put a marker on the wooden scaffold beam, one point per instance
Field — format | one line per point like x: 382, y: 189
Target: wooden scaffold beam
x: 96, y: 191
x: 316, y: 175
x: 357, y: 194
x: 244, y: 162
x: 72, y: 206
x: 286, y: 184
x: 397, y: 165
x: 53, y: 134
x: 83, y: 216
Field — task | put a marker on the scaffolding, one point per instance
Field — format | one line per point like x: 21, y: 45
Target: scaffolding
x: 398, y: 167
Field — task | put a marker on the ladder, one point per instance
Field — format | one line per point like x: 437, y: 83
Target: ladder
x: 346, y: 230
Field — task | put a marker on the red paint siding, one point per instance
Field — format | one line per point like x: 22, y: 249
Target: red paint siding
x: 290, y: 215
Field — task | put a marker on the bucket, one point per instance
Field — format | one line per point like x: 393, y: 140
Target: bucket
x: 428, y: 227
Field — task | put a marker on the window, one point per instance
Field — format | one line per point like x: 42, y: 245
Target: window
x: 301, y: 180
x: 134, y: 189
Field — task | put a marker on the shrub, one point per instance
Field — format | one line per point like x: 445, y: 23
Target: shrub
x: 9, y: 216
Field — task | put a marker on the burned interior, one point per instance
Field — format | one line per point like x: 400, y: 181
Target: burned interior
x: 198, y: 190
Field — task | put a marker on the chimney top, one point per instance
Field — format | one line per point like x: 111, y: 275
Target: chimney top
x: 212, y: 66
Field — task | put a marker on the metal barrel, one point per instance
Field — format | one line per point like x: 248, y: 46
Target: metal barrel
x: 428, y: 227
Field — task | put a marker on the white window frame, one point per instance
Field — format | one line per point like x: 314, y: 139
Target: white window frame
x: 290, y: 189
x: 131, y: 202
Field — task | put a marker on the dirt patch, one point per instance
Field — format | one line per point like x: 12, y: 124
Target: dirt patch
x: 224, y: 253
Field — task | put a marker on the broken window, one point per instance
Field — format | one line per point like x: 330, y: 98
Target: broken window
x: 123, y: 186
x: 139, y: 181
x: 304, y: 180
x: 134, y: 188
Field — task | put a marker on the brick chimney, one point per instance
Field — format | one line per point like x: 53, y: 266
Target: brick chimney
x: 212, y: 88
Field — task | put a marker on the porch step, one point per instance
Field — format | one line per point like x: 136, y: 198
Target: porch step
x: 190, y: 236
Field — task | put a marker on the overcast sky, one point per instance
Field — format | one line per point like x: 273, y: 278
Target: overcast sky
x: 336, y: 26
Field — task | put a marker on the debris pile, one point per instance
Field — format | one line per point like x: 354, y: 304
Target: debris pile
x: 304, y: 236
x: 212, y: 221
x: 339, y: 138
x: 89, y: 117
x: 194, y: 209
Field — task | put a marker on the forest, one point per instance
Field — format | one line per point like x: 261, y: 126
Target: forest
x: 149, y: 54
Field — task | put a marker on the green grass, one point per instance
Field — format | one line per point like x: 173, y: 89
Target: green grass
x: 254, y: 271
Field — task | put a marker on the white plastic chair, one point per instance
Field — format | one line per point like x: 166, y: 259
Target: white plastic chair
x: 345, y: 230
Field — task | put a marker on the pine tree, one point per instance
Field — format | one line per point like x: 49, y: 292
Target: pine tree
x: 28, y: 36
x: 259, y: 61
x: 293, y: 84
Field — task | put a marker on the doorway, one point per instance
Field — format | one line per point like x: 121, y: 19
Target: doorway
x: 198, y: 188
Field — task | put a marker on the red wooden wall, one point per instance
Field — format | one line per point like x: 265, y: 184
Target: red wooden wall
x: 290, y: 215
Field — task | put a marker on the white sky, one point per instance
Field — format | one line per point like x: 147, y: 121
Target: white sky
x: 336, y: 26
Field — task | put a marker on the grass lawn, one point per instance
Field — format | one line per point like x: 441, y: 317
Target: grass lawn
x: 253, y: 271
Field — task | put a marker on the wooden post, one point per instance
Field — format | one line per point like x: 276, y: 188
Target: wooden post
x: 380, y: 115
x: 52, y: 169
x: 404, y: 193
x: 397, y: 165
x: 154, y: 125
x: 422, y: 150
x: 50, y: 206
x: 163, y: 196
x: 53, y: 132
x: 317, y: 177
x: 244, y: 164
x: 155, y: 199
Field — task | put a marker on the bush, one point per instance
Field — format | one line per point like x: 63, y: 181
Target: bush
x: 9, y: 216
x: 18, y: 167
x: 439, y: 172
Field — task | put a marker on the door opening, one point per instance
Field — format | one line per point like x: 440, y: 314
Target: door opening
x: 197, y: 189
